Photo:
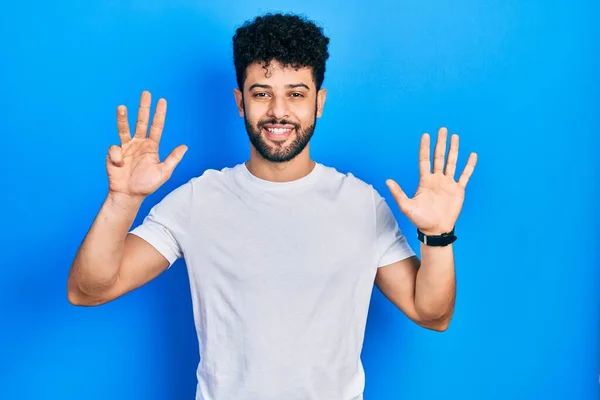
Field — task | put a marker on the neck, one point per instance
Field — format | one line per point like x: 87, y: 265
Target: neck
x: 292, y: 170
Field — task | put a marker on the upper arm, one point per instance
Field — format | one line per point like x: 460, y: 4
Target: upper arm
x: 140, y: 264
x: 397, y: 283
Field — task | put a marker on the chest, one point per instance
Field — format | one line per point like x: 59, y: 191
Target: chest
x: 262, y: 246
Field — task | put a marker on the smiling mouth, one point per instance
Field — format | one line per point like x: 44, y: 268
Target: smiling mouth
x: 278, y: 132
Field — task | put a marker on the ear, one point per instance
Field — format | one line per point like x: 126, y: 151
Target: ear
x: 321, y: 96
x: 239, y: 101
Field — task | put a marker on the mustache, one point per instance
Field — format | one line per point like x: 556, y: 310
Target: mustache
x: 275, y: 121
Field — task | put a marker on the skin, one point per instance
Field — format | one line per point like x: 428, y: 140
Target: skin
x: 426, y: 290
x: 110, y: 262
x: 281, y: 94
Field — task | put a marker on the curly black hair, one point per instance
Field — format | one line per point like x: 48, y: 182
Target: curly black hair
x: 287, y: 38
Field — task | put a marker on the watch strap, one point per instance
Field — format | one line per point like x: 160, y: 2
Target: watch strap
x: 437, y: 240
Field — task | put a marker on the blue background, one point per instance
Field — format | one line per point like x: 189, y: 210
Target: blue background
x: 517, y: 80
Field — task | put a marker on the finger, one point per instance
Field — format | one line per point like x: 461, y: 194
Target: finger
x: 141, y: 127
x: 440, y: 149
x: 424, y: 151
x: 468, y: 171
x: 452, y: 156
x: 400, y: 197
x: 123, y: 125
x: 158, y: 122
x: 115, y: 156
x: 173, y: 159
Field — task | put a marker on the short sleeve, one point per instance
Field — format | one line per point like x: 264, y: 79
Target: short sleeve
x: 166, y: 223
x: 391, y: 243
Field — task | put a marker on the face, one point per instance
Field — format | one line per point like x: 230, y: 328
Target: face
x: 280, y: 107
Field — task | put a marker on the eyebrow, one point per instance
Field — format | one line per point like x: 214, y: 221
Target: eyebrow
x: 290, y: 86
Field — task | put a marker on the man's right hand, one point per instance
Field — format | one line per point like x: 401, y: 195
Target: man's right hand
x: 134, y: 168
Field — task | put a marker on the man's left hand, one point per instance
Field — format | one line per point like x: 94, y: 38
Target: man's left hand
x: 438, y: 200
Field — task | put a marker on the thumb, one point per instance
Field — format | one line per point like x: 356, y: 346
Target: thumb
x: 115, y: 156
x: 399, y: 195
x: 173, y: 159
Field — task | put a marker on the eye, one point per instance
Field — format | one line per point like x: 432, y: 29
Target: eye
x: 296, y: 94
x: 260, y: 94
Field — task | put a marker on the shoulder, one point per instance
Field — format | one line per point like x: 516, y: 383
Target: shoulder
x: 211, y: 178
x: 210, y: 181
x: 348, y: 182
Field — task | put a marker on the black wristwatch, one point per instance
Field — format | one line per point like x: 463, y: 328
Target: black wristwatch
x: 437, y: 240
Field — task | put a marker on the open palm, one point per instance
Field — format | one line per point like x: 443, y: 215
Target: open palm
x: 134, y: 168
x: 438, y: 200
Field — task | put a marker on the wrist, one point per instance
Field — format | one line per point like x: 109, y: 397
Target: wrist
x: 122, y: 201
x: 436, y: 231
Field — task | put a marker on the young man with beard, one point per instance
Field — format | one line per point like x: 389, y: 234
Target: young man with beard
x: 282, y: 251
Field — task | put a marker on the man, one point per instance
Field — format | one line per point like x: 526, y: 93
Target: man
x: 282, y: 251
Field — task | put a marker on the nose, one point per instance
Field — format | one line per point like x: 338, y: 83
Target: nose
x: 278, y: 108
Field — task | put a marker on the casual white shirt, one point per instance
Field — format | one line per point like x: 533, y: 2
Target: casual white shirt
x: 281, y: 277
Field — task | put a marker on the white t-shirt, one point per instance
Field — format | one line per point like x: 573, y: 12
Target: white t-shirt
x: 281, y: 278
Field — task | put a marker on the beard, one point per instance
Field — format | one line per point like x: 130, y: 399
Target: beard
x: 279, y: 152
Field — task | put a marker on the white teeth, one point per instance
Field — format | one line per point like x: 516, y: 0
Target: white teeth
x: 279, y: 131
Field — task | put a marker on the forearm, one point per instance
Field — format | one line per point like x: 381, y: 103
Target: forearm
x: 435, y: 285
x: 97, y: 262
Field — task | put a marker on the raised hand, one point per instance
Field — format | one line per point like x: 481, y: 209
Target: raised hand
x: 134, y: 168
x: 438, y: 200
